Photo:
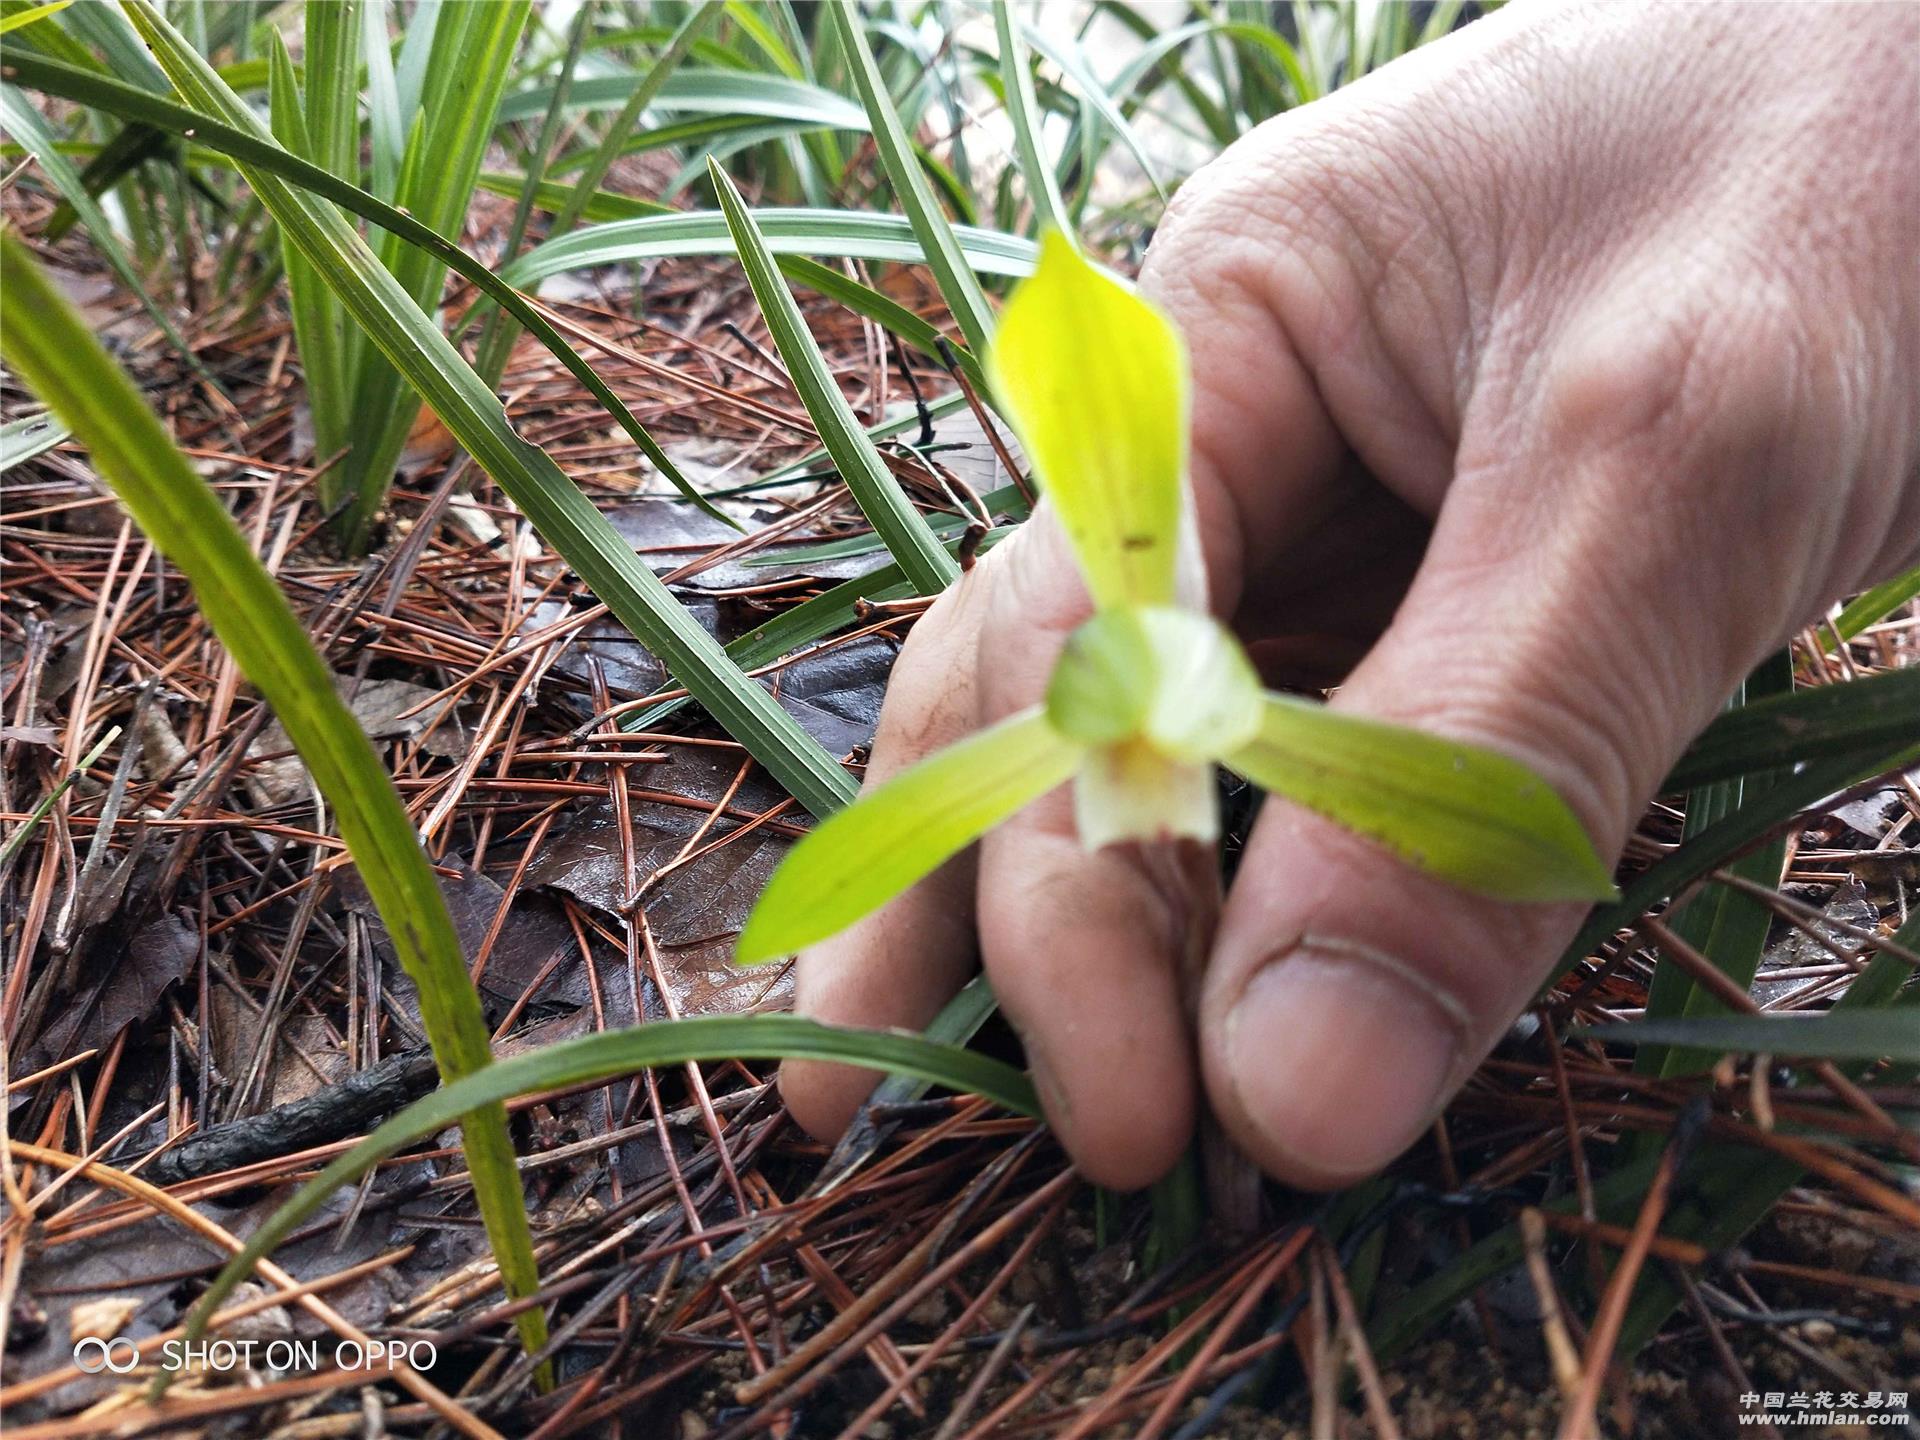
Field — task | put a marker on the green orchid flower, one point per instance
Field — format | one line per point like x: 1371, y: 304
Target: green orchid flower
x: 1152, y: 692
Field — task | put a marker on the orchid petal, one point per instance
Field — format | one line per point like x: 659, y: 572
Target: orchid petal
x: 1463, y: 813
x: 1095, y: 381
x: 861, y: 857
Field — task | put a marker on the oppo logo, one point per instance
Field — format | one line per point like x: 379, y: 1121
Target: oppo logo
x: 118, y: 1355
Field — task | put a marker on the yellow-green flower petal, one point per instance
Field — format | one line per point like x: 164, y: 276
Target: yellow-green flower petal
x: 1095, y: 381
x: 1466, y: 814
x: 861, y: 857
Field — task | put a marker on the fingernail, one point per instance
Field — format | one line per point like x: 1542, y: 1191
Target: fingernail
x: 1338, y: 1060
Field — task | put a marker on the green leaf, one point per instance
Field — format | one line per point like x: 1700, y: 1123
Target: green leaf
x: 910, y: 185
x: 1094, y: 380
x: 609, y: 148
x: 1874, y: 606
x: 1095, y: 94
x: 884, y: 311
x: 1726, y: 926
x: 1016, y: 81
x: 252, y: 148
x: 50, y: 346
x: 1831, y: 1035
x: 1814, y: 723
x: 550, y: 195
x: 27, y: 17
x: 704, y: 92
x: 319, y: 324
x: 23, y: 832
x: 851, y: 234
x: 1471, y: 816
x: 495, y: 347
x: 856, y: 861
x: 473, y: 49
x: 30, y: 435
x: 31, y: 131
x: 1757, y: 816
x: 606, y: 1056
x: 386, y: 132
x: 562, y: 515
x: 880, y: 497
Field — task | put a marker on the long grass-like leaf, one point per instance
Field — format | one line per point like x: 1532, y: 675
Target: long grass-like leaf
x: 606, y: 1056
x: 847, y: 234
x: 31, y: 131
x: 1016, y: 81
x: 703, y: 92
x: 1722, y: 923
x: 23, y: 832
x: 885, y: 312
x: 28, y: 16
x: 1735, y: 834
x: 497, y: 338
x: 879, y: 495
x: 549, y: 195
x: 1816, y: 723
x: 1876, y: 605
x: 386, y: 132
x: 319, y: 324
x: 49, y: 345
x: 30, y: 435
x: 473, y: 51
x: 1096, y: 95
x: 608, y: 150
x: 938, y: 242
x: 565, y: 517
x: 249, y: 148
x: 1830, y: 1035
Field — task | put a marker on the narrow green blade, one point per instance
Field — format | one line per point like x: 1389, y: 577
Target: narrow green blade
x: 49, y: 345
x: 859, y: 859
x: 1016, y: 81
x: 910, y: 186
x: 1831, y: 1035
x: 557, y: 509
x: 833, y: 233
x: 880, y: 497
x: 606, y: 1056
x: 1466, y: 814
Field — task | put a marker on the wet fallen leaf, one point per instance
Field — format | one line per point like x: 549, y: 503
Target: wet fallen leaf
x: 386, y: 710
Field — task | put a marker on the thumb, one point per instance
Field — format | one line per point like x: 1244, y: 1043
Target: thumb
x: 1349, y: 996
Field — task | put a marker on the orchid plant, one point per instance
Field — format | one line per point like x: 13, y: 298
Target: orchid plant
x: 1152, y: 692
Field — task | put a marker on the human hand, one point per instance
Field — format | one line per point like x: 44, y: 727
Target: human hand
x: 1556, y: 374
